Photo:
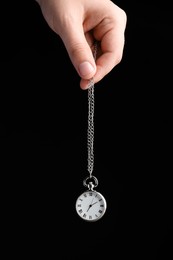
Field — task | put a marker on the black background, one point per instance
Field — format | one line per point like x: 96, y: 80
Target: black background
x: 43, y: 124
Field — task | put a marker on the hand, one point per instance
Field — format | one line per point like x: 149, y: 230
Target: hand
x: 79, y: 23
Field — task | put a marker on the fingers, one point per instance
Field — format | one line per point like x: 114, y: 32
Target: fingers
x: 66, y: 17
x: 79, y: 24
x: 111, y: 35
x: 112, y: 51
x: 79, y: 50
x: 108, y: 28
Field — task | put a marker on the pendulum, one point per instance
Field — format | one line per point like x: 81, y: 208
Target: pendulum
x: 91, y: 205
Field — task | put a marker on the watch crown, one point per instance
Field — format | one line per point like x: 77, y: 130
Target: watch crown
x: 91, y: 186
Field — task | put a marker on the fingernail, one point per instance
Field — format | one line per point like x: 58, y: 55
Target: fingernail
x: 85, y: 68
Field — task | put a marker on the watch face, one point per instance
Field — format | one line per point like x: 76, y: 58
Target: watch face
x: 91, y: 205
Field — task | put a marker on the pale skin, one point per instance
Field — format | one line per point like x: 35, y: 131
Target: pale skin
x: 80, y: 23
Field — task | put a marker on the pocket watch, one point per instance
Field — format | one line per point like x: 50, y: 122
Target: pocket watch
x: 91, y: 205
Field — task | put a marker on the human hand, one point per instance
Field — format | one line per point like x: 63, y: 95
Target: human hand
x: 80, y: 23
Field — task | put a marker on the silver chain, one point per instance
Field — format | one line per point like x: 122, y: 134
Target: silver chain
x: 90, y: 132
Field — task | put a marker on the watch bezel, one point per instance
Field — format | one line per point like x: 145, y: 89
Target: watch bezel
x: 104, y: 208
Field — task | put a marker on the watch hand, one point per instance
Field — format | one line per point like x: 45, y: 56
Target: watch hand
x: 94, y: 203
x: 90, y: 205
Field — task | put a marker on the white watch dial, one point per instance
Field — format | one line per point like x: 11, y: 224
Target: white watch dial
x: 91, y: 205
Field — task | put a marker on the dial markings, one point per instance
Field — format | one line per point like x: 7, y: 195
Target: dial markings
x: 91, y: 205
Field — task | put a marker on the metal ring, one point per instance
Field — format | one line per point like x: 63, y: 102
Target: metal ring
x: 90, y: 179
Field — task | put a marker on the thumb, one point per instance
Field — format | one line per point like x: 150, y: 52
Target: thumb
x: 79, y: 52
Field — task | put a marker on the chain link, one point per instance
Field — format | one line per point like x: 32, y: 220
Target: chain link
x: 90, y: 132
